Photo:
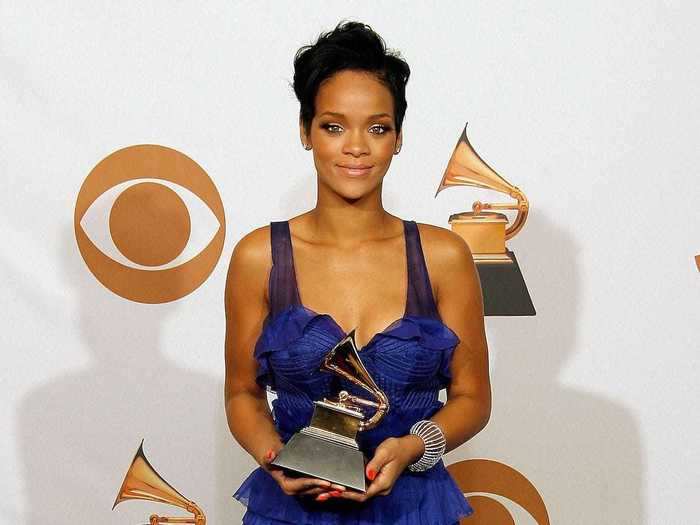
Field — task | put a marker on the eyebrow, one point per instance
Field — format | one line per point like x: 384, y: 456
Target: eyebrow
x: 334, y: 114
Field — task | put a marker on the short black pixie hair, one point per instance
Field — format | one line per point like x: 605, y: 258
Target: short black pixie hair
x: 351, y: 45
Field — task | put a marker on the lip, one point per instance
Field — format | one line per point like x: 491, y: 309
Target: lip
x: 355, y: 170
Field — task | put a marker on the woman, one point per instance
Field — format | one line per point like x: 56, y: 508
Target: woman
x: 295, y: 288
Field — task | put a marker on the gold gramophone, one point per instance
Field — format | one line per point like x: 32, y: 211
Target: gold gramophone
x: 143, y: 482
x: 327, y: 448
x: 486, y: 232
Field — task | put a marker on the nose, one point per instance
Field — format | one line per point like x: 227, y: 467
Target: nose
x: 356, y: 143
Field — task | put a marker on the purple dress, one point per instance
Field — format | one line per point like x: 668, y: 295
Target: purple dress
x: 409, y: 360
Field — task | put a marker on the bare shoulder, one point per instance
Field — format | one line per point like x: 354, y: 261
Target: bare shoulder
x: 447, y: 257
x: 254, y: 248
x: 442, y: 247
x: 251, y: 261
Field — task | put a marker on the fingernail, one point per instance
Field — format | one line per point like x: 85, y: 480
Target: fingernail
x: 269, y: 454
x: 322, y: 497
x: 371, y: 474
x: 336, y: 493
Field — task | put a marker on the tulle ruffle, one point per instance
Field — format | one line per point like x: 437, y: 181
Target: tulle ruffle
x: 431, y: 334
x: 428, y: 498
x: 291, y: 323
x: 280, y: 331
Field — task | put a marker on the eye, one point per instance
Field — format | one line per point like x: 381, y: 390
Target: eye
x: 380, y: 129
x: 499, y: 493
x: 149, y: 223
x: 332, y: 128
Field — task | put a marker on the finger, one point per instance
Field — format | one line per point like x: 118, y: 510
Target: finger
x: 269, y: 456
x: 293, y: 485
x: 298, y: 484
x: 314, y: 491
x: 375, y: 488
x: 325, y: 484
x: 353, y: 495
x: 277, y: 475
x: 273, y: 469
x: 281, y: 480
x: 374, y: 466
x: 325, y: 494
x: 331, y: 489
x: 383, y: 483
x: 280, y: 475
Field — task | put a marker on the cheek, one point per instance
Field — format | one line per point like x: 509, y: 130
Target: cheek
x: 385, y: 151
x: 324, y: 158
x: 326, y: 148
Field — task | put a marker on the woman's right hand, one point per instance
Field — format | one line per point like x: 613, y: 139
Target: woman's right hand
x: 293, y: 486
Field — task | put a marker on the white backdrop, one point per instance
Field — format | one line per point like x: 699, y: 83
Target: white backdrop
x: 591, y: 109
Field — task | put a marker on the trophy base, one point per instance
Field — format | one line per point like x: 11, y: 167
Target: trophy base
x: 504, y: 289
x: 492, y: 258
x: 307, y: 455
x: 485, y: 233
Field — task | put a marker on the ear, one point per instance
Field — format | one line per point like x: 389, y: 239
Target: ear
x: 399, y: 140
x: 302, y: 134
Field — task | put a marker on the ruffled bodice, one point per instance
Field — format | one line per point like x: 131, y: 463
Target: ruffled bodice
x: 409, y: 360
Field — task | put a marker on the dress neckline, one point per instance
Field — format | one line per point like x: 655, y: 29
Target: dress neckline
x: 330, y: 317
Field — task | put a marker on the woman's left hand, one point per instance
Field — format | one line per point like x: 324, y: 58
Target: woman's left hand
x: 390, y: 459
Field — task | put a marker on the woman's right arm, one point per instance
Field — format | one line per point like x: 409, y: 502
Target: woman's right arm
x: 245, y: 302
x: 247, y: 411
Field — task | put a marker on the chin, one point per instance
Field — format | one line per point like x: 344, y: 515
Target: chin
x: 354, y: 194
x: 351, y: 188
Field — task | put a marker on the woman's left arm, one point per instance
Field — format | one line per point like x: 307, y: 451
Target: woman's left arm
x: 468, y: 407
x: 460, y: 304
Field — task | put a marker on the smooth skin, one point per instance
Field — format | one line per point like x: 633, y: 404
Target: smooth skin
x: 349, y: 258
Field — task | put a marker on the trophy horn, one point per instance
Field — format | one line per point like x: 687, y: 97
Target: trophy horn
x: 345, y: 361
x: 327, y: 447
x: 467, y: 168
x: 143, y: 482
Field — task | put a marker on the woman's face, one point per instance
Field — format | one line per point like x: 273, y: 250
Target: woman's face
x: 352, y: 134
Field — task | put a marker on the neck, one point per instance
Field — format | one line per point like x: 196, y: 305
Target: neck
x: 341, y: 221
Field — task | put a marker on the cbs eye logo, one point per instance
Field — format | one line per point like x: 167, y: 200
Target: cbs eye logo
x: 499, y: 494
x: 149, y: 223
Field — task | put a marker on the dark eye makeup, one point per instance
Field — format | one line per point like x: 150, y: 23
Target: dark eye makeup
x: 334, y: 128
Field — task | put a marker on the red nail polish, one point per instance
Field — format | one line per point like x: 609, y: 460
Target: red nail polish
x: 322, y: 497
x: 371, y: 474
x: 269, y: 454
x: 336, y: 493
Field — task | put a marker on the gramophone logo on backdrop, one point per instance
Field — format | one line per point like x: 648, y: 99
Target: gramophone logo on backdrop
x: 498, y: 493
x: 149, y: 223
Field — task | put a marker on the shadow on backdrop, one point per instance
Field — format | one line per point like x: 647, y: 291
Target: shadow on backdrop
x: 79, y: 431
x: 582, y: 450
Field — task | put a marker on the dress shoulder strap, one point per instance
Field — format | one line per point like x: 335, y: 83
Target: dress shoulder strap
x: 283, y: 284
x: 420, y: 300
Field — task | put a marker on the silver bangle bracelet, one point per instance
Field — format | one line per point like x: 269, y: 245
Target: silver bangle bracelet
x: 434, y: 441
